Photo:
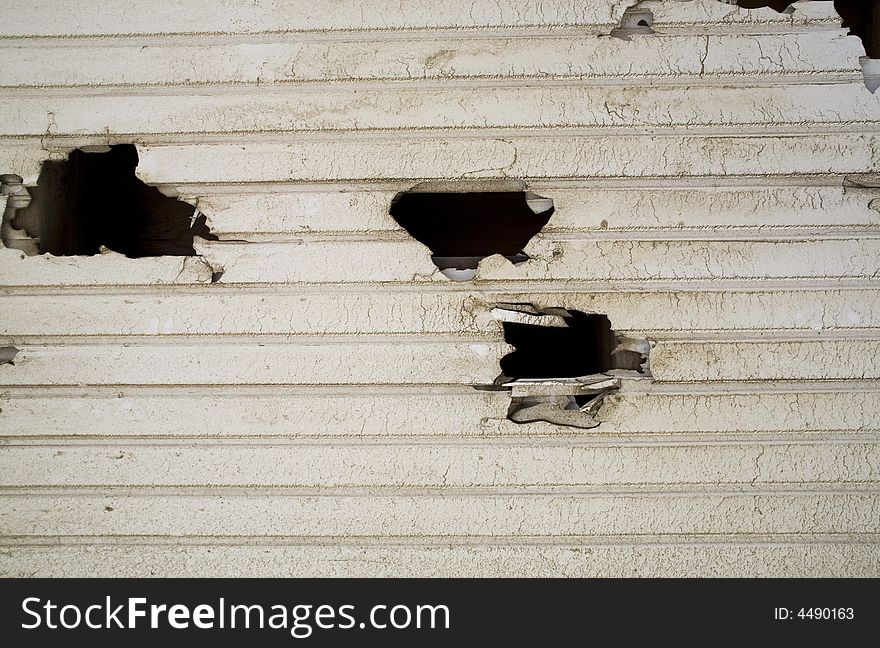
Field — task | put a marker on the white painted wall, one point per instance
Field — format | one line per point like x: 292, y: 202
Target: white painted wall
x: 311, y: 414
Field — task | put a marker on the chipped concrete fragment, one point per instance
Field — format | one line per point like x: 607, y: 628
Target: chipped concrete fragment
x: 578, y: 386
x: 554, y: 400
x: 557, y: 410
x: 871, y: 70
x: 633, y: 345
x: 17, y: 197
x: 493, y: 266
x: 528, y: 314
x: 538, y: 204
x: 636, y: 20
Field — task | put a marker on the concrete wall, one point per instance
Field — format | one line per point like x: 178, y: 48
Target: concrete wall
x: 311, y: 412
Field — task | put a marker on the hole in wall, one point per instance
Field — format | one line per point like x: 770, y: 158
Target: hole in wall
x: 463, y: 226
x: 635, y: 20
x: 861, y: 17
x: 776, y: 5
x: 564, y: 363
x: 94, y: 199
x: 582, y: 345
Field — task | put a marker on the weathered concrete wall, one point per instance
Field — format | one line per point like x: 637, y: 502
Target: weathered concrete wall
x: 310, y: 412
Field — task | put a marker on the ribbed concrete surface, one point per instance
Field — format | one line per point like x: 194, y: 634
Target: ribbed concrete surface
x: 311, y: 413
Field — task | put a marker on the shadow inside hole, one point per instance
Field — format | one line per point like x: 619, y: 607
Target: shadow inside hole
x: 461, y: 229
x: 862, y: 17
x: 776, y: 5
x: 581, y: 348
x: 635, y: 21
x: 94, y: 199
x: 564, y: 363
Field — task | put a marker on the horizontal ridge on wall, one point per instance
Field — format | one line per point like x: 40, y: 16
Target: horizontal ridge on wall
x: 118, y: 17
x: 783, y: 410
x: 722, y: 556
x: 447, y: 111
x: 439, y: 516
x: 429, y: 312
x: 310, y: 468
x: 545, y: 57
x: 420, y: 363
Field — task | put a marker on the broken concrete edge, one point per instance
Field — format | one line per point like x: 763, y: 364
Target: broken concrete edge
x: 862, y: 181
x: 539, y: 252
x: 15, y: 196
x: 555, y: 411
x: 722, y: 10
x: 493, y: 267
x: 553, y: 400
x: 801, y: 12
x: 635, y: 21
x: 15, y: 193
x: 577, y: 386
x: 871, y: 72
x: 553, y: 316
x: 638, y: 19
x: 537, y: 203
x: 481, y: 185
x: 172, y: 191
x: 529, y: 314
x: 7, y: 355
x: 126, y: 271
x: 797, y: 10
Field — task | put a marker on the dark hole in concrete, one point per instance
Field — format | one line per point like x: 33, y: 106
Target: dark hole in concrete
x: 635, y: 20
x: 463, y: 228
x: 582, y: 347
x: 777, y: 5
x: 94, y: 199
x: 862, y: 17
x: 564, y: 364
x: 563, y: 343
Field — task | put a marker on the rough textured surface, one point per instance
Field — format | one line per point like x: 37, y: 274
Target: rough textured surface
x: 761, y: 557
x: 296, y: 400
